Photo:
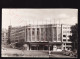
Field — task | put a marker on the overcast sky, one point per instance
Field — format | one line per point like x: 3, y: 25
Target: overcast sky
x: 21, y: 17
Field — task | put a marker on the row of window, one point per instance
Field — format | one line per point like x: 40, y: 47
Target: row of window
x: 17, y: 31
x: 66, y: 31
x: 66, y: 36
x: 66, y: 27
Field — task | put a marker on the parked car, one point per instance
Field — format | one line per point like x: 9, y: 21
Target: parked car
x: 66, y: 52
x: 70, y: 53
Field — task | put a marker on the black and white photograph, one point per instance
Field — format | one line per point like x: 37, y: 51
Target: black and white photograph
x: 39, y: 33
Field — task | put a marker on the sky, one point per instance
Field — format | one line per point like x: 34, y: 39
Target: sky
x: 21, y: 17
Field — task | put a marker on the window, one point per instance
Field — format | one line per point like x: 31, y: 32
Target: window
x: 64, y: 40
x: 68, y: 27
x: 64, y: 31
x: 42, y: 34
x: 64, y: 43
x: 68, y: 43
x: 33, y: 29
x: 37, y: 28
x: 68, y: 31
x: 37, y: 31
x: 64, y: 27
x: 64, y: 48
x: 29, y: 32
x: 28, y: 28
x: 32, y: 32
x: 16, y: 40
x: 64, y: 35
x: 69, y: 40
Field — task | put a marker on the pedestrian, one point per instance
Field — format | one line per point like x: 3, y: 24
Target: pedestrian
x: 49, y: 53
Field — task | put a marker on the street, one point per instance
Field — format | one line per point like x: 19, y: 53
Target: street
x: 10, y: 52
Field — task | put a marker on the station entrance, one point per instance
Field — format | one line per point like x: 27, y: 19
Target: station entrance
x: 45, y: 46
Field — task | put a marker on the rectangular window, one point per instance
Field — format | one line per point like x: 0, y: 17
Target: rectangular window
x: 64, y: 35
x: 69, y: 40
x: 38, y: 34
x: 64, y: 40
x: 29, y: 34
x: 64, y: 48
x: 32, y: 32
x: 16, y: 40
x: 68, y: 43
x: 33, y: 29
x: 64, y: 43
x: 41, y: 34
x: 64, y: 31
x: 28, y: 28
x: 37, y: 28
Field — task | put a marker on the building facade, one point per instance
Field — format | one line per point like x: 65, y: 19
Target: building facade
x: 4, y: 36
x: 42, y: 37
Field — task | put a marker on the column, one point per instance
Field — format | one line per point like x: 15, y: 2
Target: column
x: 40, y: 34
x: 25, y: 34
x: 57, y: 31
x: 35, y: 34
x: 52, y: 34
x: 62, y: 32
x: 62, y: 35
x: 31, y: 33
x: 43, y: 34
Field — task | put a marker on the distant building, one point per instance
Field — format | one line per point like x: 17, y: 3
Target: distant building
x: 42, y: 37
x: 4, y: 36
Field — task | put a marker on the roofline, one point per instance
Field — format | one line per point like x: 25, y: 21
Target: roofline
x: 42, y: 25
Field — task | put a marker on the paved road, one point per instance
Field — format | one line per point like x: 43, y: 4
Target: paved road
x: 9, y: 52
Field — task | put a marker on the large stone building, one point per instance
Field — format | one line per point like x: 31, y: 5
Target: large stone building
x: 42, y: 37
x: 4, y: 36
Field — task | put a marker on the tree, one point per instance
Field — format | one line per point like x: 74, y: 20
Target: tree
x: 20, y: 43
x: 74, y: 37
x: 8, y: 41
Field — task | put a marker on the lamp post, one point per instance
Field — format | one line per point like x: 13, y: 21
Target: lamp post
x: 49, y: 49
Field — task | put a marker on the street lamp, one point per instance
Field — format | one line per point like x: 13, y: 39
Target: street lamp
x: 49, y: 49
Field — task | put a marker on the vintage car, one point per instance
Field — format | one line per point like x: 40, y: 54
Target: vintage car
x: 70, y: 53
x: 66, y: 52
